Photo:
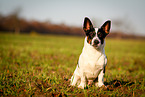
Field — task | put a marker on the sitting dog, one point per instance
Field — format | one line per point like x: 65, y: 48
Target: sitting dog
x: 92, y: 61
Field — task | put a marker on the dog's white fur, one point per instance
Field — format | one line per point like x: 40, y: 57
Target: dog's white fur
x: 91, y: 65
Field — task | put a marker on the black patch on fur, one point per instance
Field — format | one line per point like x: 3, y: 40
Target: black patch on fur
x: 91, y: 34
x: 89, y: 30
x: 104, y: 31
x: 104, y: 70
x: 101, y: 34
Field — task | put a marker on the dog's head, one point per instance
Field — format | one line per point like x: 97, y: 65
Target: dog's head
x: 96, y: 36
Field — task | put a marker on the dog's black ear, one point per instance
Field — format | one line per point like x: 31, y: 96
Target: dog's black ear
x: 106, y: 27
x: 88, y: 27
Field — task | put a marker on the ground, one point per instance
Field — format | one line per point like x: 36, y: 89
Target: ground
x: 37, y: 65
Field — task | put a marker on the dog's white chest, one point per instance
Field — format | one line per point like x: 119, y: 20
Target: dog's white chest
x: 91, y: 66
x: 91, y: 62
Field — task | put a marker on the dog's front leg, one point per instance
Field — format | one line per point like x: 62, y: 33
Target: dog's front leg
x: 74, y: 79
x: 83, y: 82
x: 100, y: 79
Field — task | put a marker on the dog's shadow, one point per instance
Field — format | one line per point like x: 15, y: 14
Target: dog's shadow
x: 114, y: 84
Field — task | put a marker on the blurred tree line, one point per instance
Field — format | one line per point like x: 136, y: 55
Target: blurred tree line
x: 13, y: 23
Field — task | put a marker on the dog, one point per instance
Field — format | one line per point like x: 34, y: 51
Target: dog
x: 92, y: 61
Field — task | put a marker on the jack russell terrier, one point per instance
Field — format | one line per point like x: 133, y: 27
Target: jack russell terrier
x: 92, y: 61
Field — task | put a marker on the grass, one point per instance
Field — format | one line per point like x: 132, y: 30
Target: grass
x: 42, y: 66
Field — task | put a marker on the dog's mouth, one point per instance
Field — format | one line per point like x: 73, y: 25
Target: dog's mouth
x: 96, y: 46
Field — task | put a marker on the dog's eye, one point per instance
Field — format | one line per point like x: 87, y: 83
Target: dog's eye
x: 92, y: 34
x: 99, y: 34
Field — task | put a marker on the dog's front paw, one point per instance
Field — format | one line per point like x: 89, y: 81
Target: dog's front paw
x: 82, y: 86
x: 99, y: 84
x: 72, y: 83
x: 102, y: 86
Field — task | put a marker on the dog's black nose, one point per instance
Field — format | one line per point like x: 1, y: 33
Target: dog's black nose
x: 96, y: 42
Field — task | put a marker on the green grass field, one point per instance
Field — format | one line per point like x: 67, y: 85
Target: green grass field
x: 42, y: 66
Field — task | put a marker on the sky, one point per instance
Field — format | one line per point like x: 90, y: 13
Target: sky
x: 72, y: 12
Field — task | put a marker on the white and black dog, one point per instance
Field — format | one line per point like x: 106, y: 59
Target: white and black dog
x: 92, y: 61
